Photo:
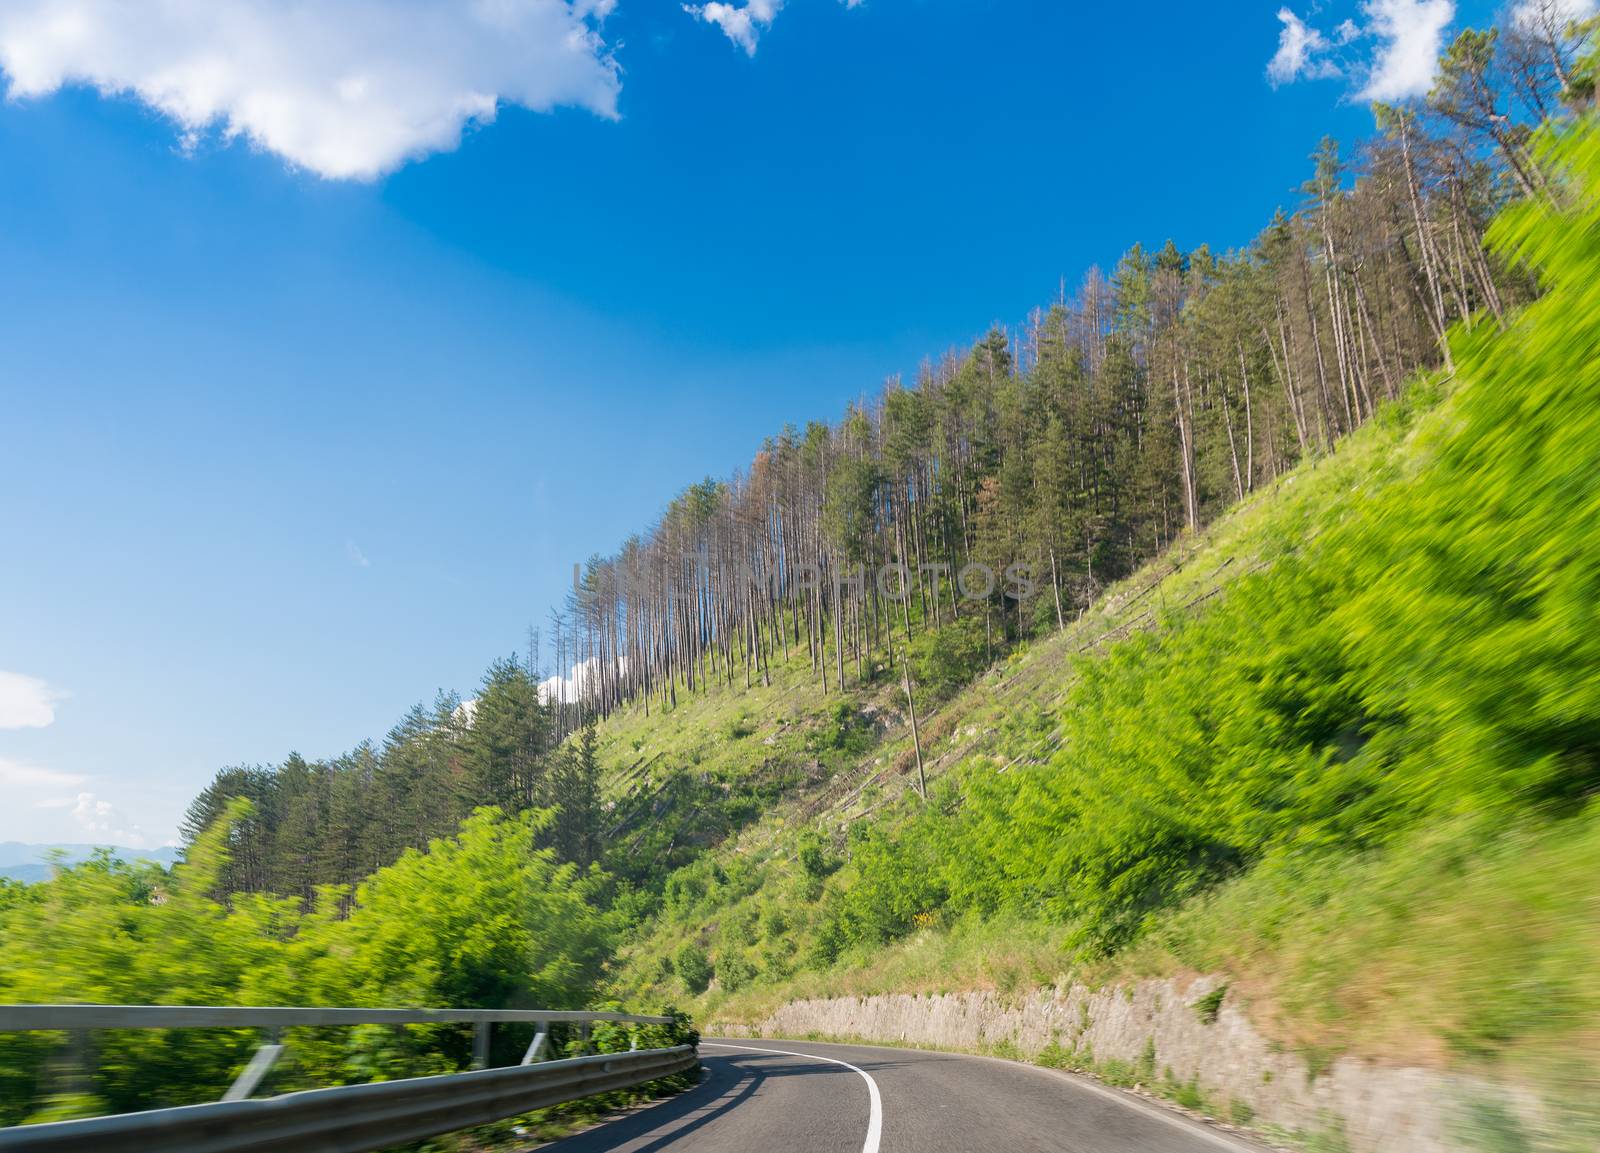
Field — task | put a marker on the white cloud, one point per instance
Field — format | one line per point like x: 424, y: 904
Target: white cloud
x: 740, y: 23
x: 1412, y: 36
x: 16, y: 775
x: 573, y: 686
x: 357, y: 557
x: 26, y: 702
x: 1302, y: 51
x: 98, y: 819
x: 744, y: 23
x: 93, y: 814
x: 1407, y: 37
x: 349, y: 89
x: 49, y: 805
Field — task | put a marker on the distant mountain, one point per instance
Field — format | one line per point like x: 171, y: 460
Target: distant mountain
x: 24, y: 862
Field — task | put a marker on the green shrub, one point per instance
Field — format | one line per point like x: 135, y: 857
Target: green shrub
x: 945, y: 659
x: 1189, y: 1096
x: 693, y: 968
x: 1210, y: 1005
x: 1114, y: 1071
x: 815, y: 859
x: 1145, y: 1070
x: 844, y: 731
x: 734, y: 972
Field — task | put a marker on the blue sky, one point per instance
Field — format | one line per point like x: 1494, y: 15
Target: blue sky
x: 307, y: 410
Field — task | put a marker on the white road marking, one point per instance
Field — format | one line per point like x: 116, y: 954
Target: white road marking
x: 875, y: 1116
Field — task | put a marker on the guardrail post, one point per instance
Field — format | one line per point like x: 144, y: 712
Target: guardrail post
x: 540, y: 1042
x: 260, y: 1065
x: 480, y: 1044
x: 71, y: 1070
x: 588, y: 1027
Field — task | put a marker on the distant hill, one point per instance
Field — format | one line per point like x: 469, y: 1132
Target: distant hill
x: 25, y: 862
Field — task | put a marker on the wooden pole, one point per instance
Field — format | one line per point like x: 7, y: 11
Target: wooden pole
x: 916, y: 739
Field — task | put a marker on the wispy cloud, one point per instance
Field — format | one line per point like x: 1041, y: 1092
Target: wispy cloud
x: 347, y: 89
x: 26, y: 702
x: 49, y: 790
x: 1391, y: 54
x: 17, y: 775
x: 357, y: 557
x: 743, y: 23
x: 1302, y: 52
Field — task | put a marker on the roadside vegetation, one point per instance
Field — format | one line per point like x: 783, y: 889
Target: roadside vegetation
x: 485, y: 918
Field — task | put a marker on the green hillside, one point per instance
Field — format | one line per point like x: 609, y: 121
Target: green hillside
x: 1343, y: 747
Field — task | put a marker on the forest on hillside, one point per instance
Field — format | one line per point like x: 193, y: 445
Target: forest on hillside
x: 1074, y: 447
x: 1082, y: 443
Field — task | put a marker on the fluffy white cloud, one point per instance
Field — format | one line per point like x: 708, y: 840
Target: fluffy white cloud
x: 580, y: 678
x: 1411, y: 35
x: 26, y: 702
x: 1302, y: 52
x: 93, y: 814
x: 349, y: 89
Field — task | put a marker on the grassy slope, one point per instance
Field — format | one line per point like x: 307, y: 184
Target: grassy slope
x: 758, y: 761
x: 732, y: 742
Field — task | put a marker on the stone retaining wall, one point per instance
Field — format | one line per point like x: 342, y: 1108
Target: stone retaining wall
x: 1377, y: 1109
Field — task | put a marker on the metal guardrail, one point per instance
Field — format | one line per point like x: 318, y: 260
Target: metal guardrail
x: 354, y: 1118
x: 16, y: 1018
x: 346, y: 1119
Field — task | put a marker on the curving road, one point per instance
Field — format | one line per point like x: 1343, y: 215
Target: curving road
x: 807, y: 1097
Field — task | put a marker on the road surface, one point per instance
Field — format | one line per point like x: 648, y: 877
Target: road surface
x: 806, y: 1097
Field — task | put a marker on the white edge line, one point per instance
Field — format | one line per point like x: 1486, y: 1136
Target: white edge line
x: 875, y: 1115
x: 1152, y: 1109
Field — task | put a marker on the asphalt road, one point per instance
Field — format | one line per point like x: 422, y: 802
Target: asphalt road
x: 806, y: 1097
